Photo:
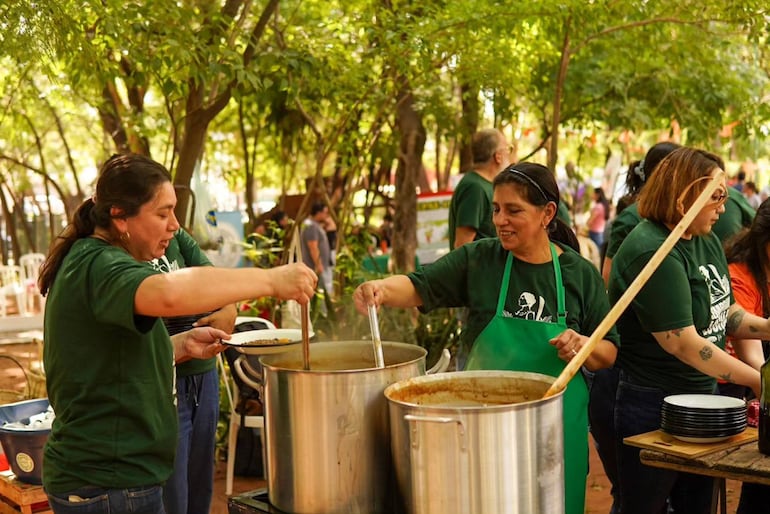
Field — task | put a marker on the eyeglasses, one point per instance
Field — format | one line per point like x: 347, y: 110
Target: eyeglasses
x: 718, y: 197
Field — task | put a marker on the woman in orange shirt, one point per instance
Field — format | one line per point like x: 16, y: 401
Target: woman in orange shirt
x: 748, y: 257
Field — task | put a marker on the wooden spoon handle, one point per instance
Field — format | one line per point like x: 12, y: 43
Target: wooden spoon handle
x: 574, y: 364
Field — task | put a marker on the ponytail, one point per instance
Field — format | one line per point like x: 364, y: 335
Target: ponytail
x: 82, y: 225
x: 561, y: 233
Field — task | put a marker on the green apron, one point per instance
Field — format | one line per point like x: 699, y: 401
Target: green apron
x: 518, y: 344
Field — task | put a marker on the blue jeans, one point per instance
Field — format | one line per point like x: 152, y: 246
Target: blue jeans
x: 98, y: 500
x: 644, y: 489
x: 190, y: 487
x: 601, y: 418
x: 598, y: 238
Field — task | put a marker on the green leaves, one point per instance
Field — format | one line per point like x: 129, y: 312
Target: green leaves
x: 330, y: 68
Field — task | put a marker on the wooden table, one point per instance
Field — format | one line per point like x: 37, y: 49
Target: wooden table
x: 736, y: 459
x: 16, y: 496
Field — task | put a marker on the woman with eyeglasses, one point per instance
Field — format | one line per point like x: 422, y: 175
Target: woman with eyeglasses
x: 531, y: 300
x: 673, y: 333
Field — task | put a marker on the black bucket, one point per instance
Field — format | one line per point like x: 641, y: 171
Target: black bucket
x: 23, y: 447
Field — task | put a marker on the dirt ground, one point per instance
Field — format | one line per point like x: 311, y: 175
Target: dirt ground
x: 13, y: 382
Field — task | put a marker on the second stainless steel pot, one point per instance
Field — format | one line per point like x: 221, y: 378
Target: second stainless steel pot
x: 327, y: 431
x: 476, y: 442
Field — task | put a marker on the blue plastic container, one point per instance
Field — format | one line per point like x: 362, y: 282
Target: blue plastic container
x: 24, y: 447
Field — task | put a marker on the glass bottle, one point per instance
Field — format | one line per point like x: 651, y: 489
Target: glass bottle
x: 764, y: 408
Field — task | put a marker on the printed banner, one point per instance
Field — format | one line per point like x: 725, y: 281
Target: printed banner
x: 432, y: 225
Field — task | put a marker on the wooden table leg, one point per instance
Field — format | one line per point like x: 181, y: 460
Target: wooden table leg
x: 719, y: 496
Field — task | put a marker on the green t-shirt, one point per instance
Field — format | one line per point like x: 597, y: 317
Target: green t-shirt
x: 562, y: 212
x: 690, y: 287
x: 738, y: 214
x: 471, y: 206
x: 470, y: 277
x: 183, y: 252
x: 109, y: 374
x: 622, y: 225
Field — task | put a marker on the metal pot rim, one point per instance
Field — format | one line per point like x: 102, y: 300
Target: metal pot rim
x: 448, y: 377
x: 268, y: 361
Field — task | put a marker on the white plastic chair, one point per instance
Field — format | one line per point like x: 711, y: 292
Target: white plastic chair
x: 30, y: 271
x: 235, y: 417
x: 12, y: 285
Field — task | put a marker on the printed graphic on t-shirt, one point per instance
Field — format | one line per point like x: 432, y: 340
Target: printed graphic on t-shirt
x: 719, y: 293
x: 531, y: 307
x: 163, y: 265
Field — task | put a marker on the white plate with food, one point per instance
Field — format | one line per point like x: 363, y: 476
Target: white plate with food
x: 261, y: 342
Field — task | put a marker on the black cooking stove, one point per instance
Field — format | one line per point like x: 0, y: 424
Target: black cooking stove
x: 251, y: 503
x: 257, y: 502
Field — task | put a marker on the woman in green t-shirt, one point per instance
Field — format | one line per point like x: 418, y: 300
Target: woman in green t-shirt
x: 108, y: 357
x: 530, y: 296
x: 638, y: 174
x: 673, y: 333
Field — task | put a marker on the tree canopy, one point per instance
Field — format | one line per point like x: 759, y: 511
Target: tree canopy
x: 330, y: 97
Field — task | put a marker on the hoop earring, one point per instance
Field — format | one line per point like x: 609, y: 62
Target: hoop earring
x: 125, y: 237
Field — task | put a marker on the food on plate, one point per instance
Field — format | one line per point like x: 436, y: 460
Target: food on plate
x: 263, y: 342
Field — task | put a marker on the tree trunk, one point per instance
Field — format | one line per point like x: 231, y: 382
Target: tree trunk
x: 423, y: 182
x: 469, y: 96
x: 412, y: 136
x: 189, y: 154
x: 561, y: 78
x: 247, y: 167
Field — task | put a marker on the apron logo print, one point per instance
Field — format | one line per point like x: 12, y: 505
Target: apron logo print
x: 531, y: 307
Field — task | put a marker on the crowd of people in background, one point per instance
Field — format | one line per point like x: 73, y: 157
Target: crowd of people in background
x: 626, y: 396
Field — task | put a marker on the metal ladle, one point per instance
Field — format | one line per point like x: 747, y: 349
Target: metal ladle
x: 305, y: 336
x: 374, y: 325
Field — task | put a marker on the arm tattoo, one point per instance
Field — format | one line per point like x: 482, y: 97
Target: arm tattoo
x: 706, y: 353
x: 727, y: 377
x: 734, y: 320
x: 676, y: 332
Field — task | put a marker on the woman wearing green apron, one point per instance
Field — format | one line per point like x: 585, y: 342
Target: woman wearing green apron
x: 529, y: 300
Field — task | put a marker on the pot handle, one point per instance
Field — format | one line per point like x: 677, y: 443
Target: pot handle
x: 413, y: 419
x: 239, y: 365
x: 442, y: 364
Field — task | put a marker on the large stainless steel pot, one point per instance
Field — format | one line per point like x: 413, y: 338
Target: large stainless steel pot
x: 327, y: 431
x: 478, y: 441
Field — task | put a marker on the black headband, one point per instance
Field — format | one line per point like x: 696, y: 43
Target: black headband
x: 529, y: 179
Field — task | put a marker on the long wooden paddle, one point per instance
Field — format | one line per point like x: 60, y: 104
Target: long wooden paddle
x: 574, y: 364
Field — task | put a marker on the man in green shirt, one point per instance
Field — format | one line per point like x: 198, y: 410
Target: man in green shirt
x: 470, y: 211
x: 190, y: 487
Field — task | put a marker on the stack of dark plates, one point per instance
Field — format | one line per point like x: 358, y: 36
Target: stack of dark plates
x: 703, y: 418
